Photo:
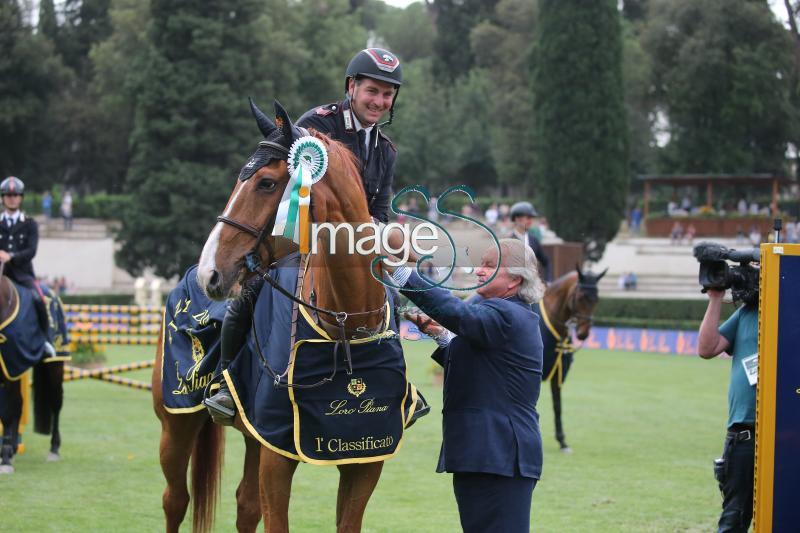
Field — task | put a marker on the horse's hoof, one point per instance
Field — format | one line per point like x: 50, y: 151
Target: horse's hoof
x: 6, y: 469
x: 53, y: 457
x: 566, y: 450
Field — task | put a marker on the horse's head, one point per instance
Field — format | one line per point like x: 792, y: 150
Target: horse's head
x: 583, y: 299
x: 246, y: 224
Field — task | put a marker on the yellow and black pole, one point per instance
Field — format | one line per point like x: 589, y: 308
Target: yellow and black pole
x: 777, y: 472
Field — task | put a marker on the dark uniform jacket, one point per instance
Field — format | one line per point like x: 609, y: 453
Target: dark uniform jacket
x: 21, y: 241
x: 492, y: 377
x: 377, y: 167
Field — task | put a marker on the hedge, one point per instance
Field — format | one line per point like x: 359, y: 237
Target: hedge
x: 654, y: 314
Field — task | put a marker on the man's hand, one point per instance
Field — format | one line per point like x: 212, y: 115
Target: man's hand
x: 715, y: 294
x: 5, y: 257
x: 426, y: 324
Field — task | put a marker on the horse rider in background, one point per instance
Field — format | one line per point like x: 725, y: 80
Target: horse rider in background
x: 19, y: 239
x: 523, y: 216
x: 372, y: 81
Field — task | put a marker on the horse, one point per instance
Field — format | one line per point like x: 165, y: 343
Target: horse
x: 568, y: 303
x: 347, y: 298
x: 48, y: 378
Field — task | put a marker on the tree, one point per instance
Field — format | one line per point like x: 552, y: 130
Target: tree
x: 501, y: 47
x: 48, y: 25
x: 722, y: 73
x: 408, y: 32
x: 192, y: 127
x: 30, y: 73
x: 581, y: 132
x: 454, y: 22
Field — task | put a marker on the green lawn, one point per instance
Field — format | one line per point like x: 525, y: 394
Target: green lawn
x: 644, y: 429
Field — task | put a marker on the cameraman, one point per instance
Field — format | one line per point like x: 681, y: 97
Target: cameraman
x: 738, y: 336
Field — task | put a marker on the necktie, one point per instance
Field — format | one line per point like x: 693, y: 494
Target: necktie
x: 9, y: 222
x: 362, y: 139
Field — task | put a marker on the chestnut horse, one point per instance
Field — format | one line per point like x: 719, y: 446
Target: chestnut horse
x: 48, y: 388
x: 568, y: 303
x: 341, y: 282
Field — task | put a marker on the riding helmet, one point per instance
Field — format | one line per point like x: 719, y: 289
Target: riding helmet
x: 375, y: 63
x: 12, y: 185
x: 522, y: 209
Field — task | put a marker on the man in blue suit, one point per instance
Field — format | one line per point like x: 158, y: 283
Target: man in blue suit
x: 491, y: 351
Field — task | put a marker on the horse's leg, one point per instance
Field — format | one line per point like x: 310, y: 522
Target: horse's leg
x: 10, y: 414
x: 178, y: 434
x: 275, y: 474
x: 248, y: 509
x: 356, y: 484
x: 555, y: 388
x: 56, y: 384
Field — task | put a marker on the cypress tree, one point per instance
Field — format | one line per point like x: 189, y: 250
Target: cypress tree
x: 48, y: 25
x: 581, y: 132
x: 192, y: 129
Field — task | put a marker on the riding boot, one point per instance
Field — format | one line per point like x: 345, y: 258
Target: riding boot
x: 44, y: 322
x: 233, y: 334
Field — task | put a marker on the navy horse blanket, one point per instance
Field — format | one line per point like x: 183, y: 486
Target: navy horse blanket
x: 558, y: 351
x: 190, y: 350
x: 21, y: 339
x: 317, y: 410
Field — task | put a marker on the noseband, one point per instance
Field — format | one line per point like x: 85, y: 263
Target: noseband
x: 575, y: 317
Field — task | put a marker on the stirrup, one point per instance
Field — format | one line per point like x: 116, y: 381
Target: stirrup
x: 219, y: 413
x: 422, y: 409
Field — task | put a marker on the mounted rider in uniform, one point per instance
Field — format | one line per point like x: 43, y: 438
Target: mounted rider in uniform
x: 523, y: 215
x: 19, y: 239
x: 372, y: 82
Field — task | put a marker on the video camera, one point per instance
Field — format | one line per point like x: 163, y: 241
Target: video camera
x: 716, y: 273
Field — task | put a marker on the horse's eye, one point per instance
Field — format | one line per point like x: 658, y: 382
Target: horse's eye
x: 267, y: 185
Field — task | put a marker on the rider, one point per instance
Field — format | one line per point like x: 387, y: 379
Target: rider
x: 19, y: 239
x: 523, y: 215
x: 372, y: 81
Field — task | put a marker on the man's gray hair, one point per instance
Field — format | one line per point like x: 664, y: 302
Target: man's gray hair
x: 520, y: 260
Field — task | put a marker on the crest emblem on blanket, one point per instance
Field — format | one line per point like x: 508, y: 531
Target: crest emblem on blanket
x: 356, y: 387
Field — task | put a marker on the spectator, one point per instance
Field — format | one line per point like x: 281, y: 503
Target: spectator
x: 47, y: 205
x: 676, y: 234
x: 740, y: 239
x: 630, y: 281
x: 433, y: 214
x: 491, y: 215
x: 66, y: 210
x: 636, y: 220
x: 790, y: 234
x: 755, y: 236
x: 686, y: 203
x: 691, y: 231
x: 741, y: 207
x: 754, y: 208
x: 504, y: 210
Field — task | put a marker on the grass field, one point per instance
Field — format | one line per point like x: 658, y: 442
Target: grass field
x: 644, y: 429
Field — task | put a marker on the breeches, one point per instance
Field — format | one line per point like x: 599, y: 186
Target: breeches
x: 488, y: 502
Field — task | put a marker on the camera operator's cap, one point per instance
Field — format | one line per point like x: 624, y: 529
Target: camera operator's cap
x: 12, y: 185
x: 522, y: 209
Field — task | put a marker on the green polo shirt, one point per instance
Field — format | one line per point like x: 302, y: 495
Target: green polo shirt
x: 741, y: 331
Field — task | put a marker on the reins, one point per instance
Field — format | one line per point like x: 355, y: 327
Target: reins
x: 253, y: 264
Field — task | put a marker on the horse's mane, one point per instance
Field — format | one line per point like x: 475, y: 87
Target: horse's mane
x: 342, y: 164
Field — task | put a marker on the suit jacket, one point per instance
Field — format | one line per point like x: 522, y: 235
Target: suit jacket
x: 377, y: 165
x: 493, y: 373
x: 21, y: 241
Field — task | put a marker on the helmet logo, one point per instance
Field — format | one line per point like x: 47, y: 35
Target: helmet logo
x: 384, y: 61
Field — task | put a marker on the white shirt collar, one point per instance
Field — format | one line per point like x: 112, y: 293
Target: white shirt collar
x: 13, y: 216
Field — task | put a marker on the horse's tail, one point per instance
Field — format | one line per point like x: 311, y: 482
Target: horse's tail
x: 207, y: 456
x: 46, y: 394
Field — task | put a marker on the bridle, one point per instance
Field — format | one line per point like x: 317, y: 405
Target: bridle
x: 253, y: 264
x: 574, y: 318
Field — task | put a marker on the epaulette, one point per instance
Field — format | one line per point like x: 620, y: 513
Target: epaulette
x: 330, y: 109
x: 386, y: 137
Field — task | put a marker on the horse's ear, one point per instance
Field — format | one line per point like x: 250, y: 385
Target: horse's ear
x: 578, y: 270
x: 603, y: 273
x: 289, y: 132
x: 265, y: 125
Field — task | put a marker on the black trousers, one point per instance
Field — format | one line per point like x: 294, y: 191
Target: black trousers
x: 488, y: 502
x: 735, y: 477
